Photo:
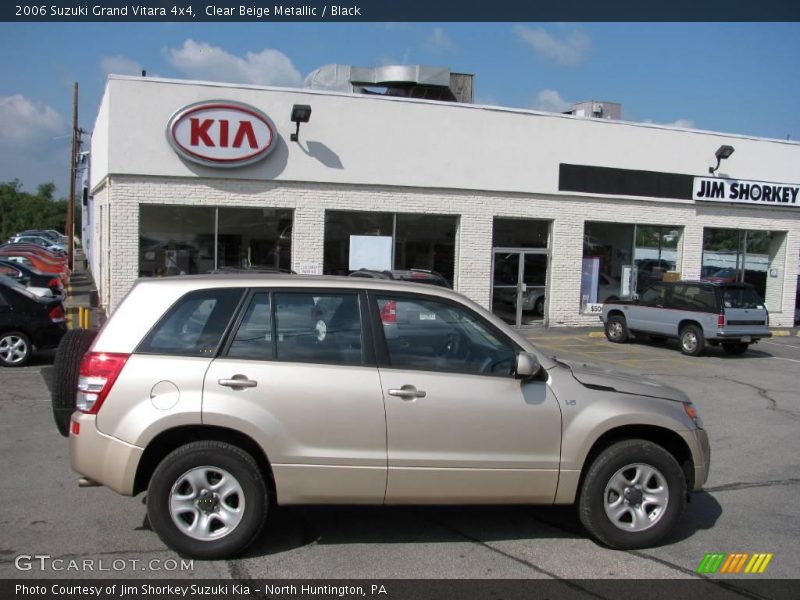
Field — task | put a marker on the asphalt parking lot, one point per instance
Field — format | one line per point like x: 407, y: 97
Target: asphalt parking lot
x: 749, y: 404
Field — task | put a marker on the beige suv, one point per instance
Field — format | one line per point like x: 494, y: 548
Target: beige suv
x: 221, y: 396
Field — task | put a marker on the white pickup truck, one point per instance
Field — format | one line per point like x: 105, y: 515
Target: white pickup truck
x: 694, y: 312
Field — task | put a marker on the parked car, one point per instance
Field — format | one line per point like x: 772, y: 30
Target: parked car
x: 36, y: 279
x: 39, y: 241
x: 650, y: 270
x: 723, y: 276
x: 413, y: 275
x: 51, y: 234
x: 50, y: 255
x: 694, y: 312
x: 38, y: 261
x: 219, y: 397
x: 27, y: 323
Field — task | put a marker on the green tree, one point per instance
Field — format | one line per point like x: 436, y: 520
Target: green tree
x: 21, y: 210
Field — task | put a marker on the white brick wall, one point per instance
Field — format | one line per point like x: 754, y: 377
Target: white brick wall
x: 476, y: 210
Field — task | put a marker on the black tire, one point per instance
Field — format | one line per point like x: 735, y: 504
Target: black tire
x: 201, y: 458
x: 616, y: 329
x: 735, y: 348
x: 15, y: 349
x: 67, y: 360
x: 539, y: 307
x: 692, y: 341
x: 619, y: 462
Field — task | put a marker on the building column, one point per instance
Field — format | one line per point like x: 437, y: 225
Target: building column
x: 308, y: 238
x: 691, y: 251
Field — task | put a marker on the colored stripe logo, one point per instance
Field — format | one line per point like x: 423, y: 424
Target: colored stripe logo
x: 734, y: 563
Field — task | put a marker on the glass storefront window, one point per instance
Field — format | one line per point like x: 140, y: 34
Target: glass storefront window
x: 185, y: 240
x: 254, y: 238
x: 739, y: 255
x: 520, y: 233
x: 418, y: 241
x: 175, y: 240
x: 655, y: 253
x: 621, y: 259
x: 340, y: 225
x: 426, y: 242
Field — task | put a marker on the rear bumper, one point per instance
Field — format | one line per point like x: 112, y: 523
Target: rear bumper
x: 737, y: 335
x: 102, y: 458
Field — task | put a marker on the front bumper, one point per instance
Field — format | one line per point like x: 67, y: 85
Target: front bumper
x: 100, y: 457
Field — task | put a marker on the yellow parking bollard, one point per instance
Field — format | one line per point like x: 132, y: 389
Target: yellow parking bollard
x: 84, y: 317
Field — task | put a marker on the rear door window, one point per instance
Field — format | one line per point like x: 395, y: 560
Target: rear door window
x: 655, y: 295
x: 194, y: 325
x: 694, y: 297
x: 253, y: 337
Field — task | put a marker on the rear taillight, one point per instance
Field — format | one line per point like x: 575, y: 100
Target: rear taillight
x: 389, y: 312
x: 721, y: 320
x: 98, y: 372
x: 56, y: 314
x: 54, y: 283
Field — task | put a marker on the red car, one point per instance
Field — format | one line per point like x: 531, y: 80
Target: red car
x: 39, y: 263
x: 723, y: 276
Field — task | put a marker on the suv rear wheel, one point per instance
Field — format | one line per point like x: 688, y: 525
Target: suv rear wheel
x: 633, y: 495
x: 693, y: 342
x: 207, y: 500
x: 617, y: 329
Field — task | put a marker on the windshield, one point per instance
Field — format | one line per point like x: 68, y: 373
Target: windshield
x: 741, y: 297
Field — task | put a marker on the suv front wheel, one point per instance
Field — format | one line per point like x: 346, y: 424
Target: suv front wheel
x: 617, y: 329
x: 633, y: 495
x: 207, y: 500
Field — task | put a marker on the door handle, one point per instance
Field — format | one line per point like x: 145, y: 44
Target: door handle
x: 407, y: 392
x: 238, y: 382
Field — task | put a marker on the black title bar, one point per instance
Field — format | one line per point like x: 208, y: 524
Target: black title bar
x: 397, y: 10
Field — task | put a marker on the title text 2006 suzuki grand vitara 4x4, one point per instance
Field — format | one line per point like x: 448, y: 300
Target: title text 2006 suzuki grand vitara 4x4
x: 221, y: 394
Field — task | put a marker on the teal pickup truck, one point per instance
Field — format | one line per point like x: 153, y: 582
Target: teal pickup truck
x: 694, y: 312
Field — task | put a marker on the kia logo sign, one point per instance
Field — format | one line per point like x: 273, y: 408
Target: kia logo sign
x: 221, y: 133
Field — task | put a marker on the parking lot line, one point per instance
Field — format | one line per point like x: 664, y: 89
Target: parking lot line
x: 781, y: 345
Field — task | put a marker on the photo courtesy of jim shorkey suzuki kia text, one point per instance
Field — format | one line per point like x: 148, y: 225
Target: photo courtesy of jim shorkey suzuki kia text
x: 192, y: 590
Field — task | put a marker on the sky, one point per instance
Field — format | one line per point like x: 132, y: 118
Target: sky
x: 740, y: 78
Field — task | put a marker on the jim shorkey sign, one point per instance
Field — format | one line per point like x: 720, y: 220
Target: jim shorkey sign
x: 747, y: 192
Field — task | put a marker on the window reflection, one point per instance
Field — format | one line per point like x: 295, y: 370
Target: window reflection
x: 185, y: 240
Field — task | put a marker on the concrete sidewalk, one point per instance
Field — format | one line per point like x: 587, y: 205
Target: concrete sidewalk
x: 79, y: 293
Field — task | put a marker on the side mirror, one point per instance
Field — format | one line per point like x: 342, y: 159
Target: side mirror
x: 527, y: 365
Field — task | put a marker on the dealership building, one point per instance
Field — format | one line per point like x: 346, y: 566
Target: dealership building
x: 537, y: 216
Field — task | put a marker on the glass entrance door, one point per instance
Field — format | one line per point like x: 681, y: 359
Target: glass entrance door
x: 519, y: 280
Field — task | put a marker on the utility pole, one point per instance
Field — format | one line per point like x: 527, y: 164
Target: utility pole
x: 72, y: 176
